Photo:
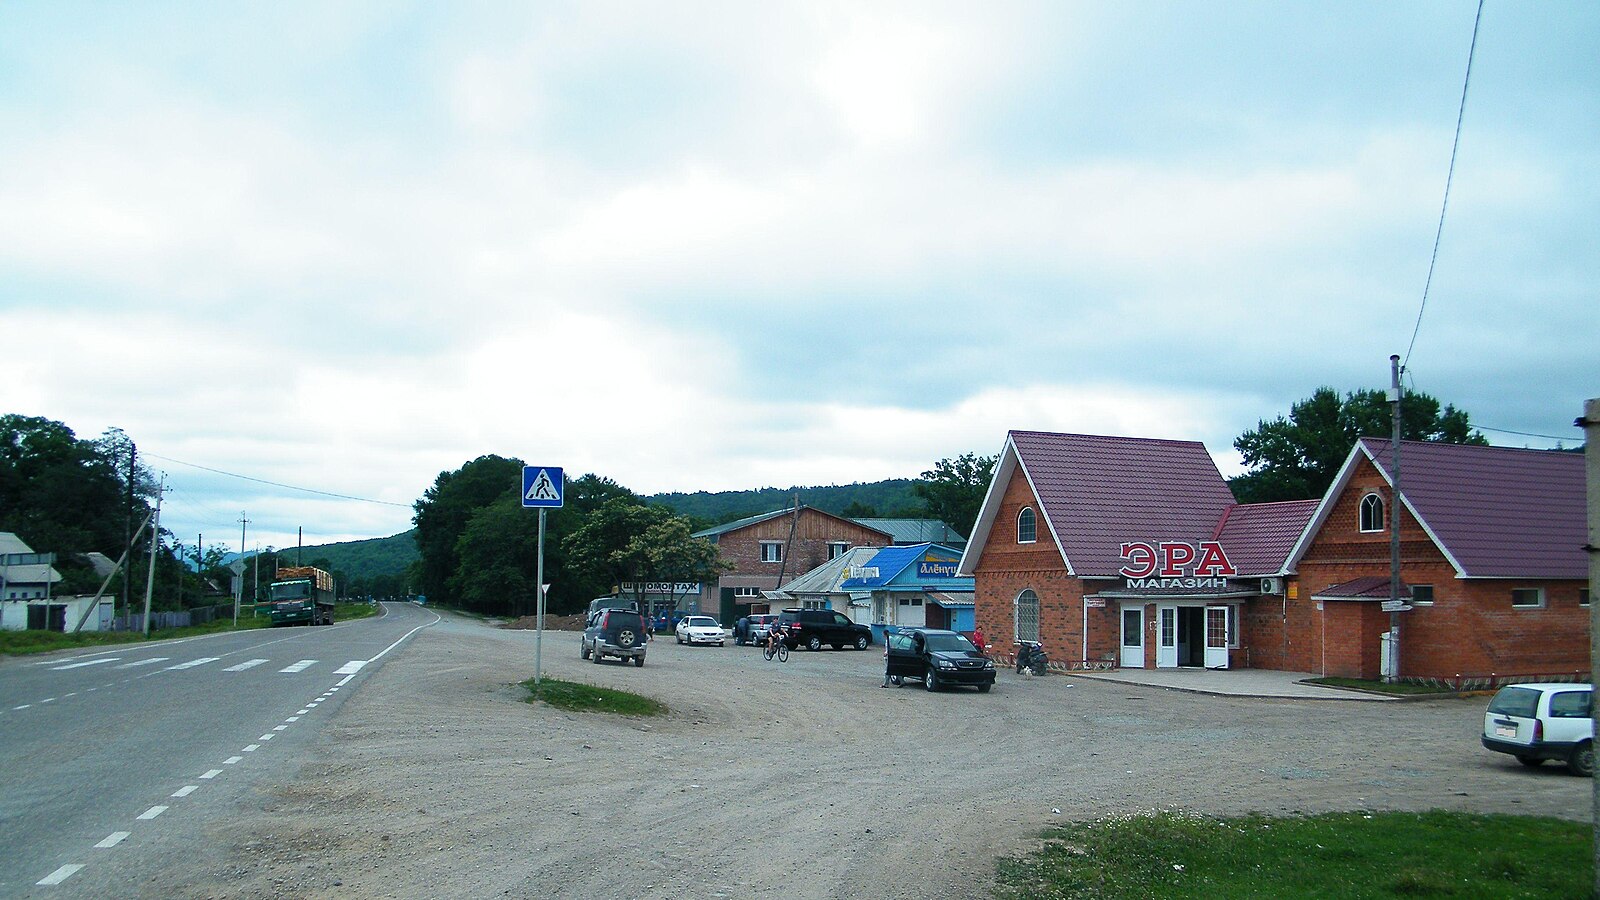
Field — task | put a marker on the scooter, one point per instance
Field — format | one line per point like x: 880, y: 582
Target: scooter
x: 1031, y: 656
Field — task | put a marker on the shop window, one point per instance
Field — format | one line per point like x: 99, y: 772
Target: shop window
x: 746, y: 593
x: 1527, y: 598
x: 771, y: 551
x: 813, y: 604
x: 1583, y: 596
x: 1422, y: 595
x: 910, y: 601
x: 1026, y: 616
x: 1371, y: 513
x: 837, y: 549
x: 1027, y: 526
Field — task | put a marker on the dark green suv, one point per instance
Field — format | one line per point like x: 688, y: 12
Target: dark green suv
x: 615, y: 632
x: 811, y: 628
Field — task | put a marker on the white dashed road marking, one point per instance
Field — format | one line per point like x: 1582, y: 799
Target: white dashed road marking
x: 212, y: 774
x: 144, y: 662
x: 300, y: 666
x: 247, y: 664
x: 152, y: 812
x: 186, y: 790
x: 194, y: 662
x: 233, y: 760
x: 113, y: 839
x: 351, y: 667
x: 79, y: 665
x: 60, y: 875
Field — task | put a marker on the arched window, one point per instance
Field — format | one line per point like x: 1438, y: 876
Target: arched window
x: 1027, y: 616
x: 1372, y: 513
x: 1027, y: 526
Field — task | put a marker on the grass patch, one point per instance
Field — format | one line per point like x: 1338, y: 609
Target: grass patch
x: 577, y: 697
x: 19, y: 643
x: 1336, y: 855
x: 1398, y: 688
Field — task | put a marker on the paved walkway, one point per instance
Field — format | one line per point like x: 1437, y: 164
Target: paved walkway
x: 1233, y: 683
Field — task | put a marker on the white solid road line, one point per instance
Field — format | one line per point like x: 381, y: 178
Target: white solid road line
x: 60, y: 875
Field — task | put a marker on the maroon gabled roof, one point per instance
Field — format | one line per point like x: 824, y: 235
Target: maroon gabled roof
x: 1495, y: 511
x: 1098, y: 492
x: 1259, y: 536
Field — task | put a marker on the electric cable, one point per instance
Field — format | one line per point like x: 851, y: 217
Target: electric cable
x: 1449, y: 177
x: 290, y: 487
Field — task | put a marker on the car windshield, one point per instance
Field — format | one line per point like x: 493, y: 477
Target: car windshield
x: 948, y: 643
x: 1516, y: 701
x: 700, y: 622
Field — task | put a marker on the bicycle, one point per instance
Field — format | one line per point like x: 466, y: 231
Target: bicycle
x: 777, y: 645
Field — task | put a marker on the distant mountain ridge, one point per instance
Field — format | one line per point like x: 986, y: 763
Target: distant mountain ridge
x: 357, y: 559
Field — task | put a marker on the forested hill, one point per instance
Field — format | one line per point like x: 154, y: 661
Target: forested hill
x: 360, y: 559
x: 893, y: 498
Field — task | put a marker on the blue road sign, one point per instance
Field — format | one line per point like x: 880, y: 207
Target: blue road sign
x: 542, y: 487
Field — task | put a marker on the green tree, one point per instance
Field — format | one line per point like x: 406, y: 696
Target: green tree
x: 954, y: 489
x: 444, y: 511
x: 58, y: 493
x: 859, y: 510
x: 667, y: 552
x: 1296, y: 458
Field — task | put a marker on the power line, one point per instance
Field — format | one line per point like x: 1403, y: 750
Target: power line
x: 279, y: 484
x: 1553, y: 437
x: 1450, y: 177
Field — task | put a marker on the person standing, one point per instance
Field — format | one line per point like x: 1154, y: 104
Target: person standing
x: 741, y: 631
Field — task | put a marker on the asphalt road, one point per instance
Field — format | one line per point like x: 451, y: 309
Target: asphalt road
x: 117, y: 759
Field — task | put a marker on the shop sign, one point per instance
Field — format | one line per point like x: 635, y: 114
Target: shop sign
x: 1169, y: 565
x: 937, y: 567
x: 661, y: 587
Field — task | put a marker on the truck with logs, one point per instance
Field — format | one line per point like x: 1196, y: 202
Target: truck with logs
x: 301, y: 595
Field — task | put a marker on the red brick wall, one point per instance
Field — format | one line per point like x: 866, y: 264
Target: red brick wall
x: 1470, y: 631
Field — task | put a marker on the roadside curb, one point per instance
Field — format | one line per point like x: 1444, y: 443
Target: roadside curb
x: 1362, y: 696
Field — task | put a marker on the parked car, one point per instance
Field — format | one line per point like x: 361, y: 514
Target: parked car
x: 812, y: 628
x: 760, y: 624
x: 937, y: 659
x: 699, y: 630
x: 1536, y: 722
x: 615, y: 632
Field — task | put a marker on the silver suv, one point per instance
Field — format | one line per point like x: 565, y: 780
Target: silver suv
x: 615, y: 632
x: 1536, y: 722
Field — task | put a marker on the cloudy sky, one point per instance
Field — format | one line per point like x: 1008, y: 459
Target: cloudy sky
x: 348, y: 246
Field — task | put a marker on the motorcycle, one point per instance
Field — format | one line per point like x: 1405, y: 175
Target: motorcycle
x: 1031, y: 656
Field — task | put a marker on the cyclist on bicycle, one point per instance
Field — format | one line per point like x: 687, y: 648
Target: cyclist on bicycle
x: 774, y: 636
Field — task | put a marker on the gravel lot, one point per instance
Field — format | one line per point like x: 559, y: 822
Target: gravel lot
x: 436, y: 779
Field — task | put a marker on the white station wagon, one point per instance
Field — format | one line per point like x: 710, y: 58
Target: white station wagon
x: 1536, y: 722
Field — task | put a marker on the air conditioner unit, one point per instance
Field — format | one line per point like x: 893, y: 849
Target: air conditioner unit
x: 1271, y: 585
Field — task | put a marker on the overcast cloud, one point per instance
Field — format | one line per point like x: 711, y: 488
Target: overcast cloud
x: 717, y: 246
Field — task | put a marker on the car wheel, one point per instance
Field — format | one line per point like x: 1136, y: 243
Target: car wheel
x: 815, y: 643
x: 896, y: 680
x: 862, y: 642
x: 597, y: 656
x: 583, y: 651
x: 984, y: 688
x: 930, y: 680
x: 1581, y: 762
x: 1532, y: 762
x: 639, y: 661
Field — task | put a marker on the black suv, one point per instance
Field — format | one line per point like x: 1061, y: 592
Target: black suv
x: 938, y: 659
x: 812, y: 628
x: 615, y: 632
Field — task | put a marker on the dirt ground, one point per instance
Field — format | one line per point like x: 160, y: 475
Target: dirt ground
x: 436, y: 779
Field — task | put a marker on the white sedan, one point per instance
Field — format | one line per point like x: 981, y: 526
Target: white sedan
x: 699, y: 630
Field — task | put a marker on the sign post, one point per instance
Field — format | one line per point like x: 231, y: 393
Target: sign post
x: 543, y: 487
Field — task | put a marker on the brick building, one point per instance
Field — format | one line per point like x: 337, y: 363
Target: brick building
x: 1131, y: 552
x: 770, y: 549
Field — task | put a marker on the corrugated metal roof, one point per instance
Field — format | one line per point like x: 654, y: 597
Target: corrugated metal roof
x: 1259, y: 536
x: 1496, y: 511
x: 826, y: 578
x: 948, y: 599
x: 741, y: 523
x: 916, y: 531
x: 1367, y: 587
x: 1099, y: 491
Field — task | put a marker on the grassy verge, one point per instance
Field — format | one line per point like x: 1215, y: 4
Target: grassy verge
x: 1337, y: 855
x: 25, y: 642
x: 571, y: 695
x: 1398, y: 688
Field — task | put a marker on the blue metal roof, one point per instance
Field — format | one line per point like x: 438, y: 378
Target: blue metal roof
x: 893, y: 562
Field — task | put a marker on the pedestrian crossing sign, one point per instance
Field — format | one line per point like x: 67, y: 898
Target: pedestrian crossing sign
x: 542, y: 487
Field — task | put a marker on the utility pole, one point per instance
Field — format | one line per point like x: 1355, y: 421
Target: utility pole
x: 1590, y: 423
x: 238, y: 572
x: 1394, y: 524
x: 155, y: 541
x: 127, y: 596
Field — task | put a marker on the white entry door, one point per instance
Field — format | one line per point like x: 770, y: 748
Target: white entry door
x: 1166, y: 637
x: 1132, y: 637
x: 1216, y: 637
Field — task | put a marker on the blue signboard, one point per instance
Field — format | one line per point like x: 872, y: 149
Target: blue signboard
x: 542, y: 487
